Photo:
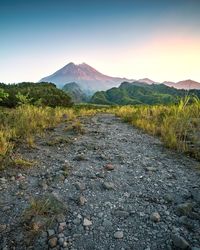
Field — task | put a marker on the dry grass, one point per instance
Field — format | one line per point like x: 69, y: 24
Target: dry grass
x: 21, y: 162
x: 26, y: 121
x: 177, y: 125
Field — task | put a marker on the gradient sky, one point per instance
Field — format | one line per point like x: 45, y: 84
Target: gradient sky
x: 128, y: 38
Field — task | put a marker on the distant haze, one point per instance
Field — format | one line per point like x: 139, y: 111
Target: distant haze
x: 153, y: 39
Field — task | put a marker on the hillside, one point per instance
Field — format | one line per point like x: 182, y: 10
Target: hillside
x: 75, y: 92
x: 45, y: 94
x: 88, y: 78
x: 141, y: 93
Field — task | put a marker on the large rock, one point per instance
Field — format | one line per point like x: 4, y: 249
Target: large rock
x: 53, y: 242
x: 196, y: 194
x: 155, y: 217
x: 87, y: 222
x: 118, y: 235
x: 80, y: 186
x: 108, y: 185
x: 180, y: 242
x: 184, y: 208
x: 109, y: 167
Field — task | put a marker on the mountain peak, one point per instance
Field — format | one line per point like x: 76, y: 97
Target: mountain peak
x: 88, y: 78
x: 70, y: 64
x: 146, y: 80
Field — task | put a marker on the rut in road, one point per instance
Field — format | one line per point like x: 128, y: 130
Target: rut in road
x: 124, y: 190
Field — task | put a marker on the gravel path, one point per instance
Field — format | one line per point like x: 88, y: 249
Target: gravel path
x: 124, y: 190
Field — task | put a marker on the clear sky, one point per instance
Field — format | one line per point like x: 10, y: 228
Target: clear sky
x: 129, y: 38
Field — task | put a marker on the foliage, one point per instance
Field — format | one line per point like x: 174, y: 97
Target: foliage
x: 40, y: 94
x: 3, y: 94
x: 140, y: 93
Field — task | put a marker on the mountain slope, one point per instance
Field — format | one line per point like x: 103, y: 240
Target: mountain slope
x: 76, y: 93
x: 135, y: 93
x: 186, y: 84
x: 88, y: 78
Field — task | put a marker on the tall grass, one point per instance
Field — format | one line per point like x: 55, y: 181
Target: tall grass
x: 177, y: 125
x: 26, y: 121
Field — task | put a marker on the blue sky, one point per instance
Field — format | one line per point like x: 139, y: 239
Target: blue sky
x: 135, y: 39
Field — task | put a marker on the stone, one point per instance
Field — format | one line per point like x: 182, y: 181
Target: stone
x: 77, y: 221
x: 61, y: 229
x: 180, y: 242
x: 23, y: 185
x: 107, y: 223
x: 184, y: 208
x: 80, y: 186
x: 186, y: 222
x: 3, y: 180
x: 80, y: 157
x: 155, y: 217
x: 63, y: 224
x: 101, y: 175
x: 60, y: 218
x: 168, y: 198
x: 118, y: 235
x: 2, y: 227
x: 50, y: 232
x: 53, y: 242
x: 65, y: 244
x: 61, y: 241
x: 109, y: 167
x: 82, y: 200
x: 61, y: 235
x: 121, y: 213
x: 38, y: 222
x: 196, y: 194
x: 108, y: 185
x: 87, y: 222
x: 151, y: 169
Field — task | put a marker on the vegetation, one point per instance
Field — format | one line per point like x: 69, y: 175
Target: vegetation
x: 39, y: 94
x: 26, y: 121
x: 42, y: 213
x: 140, y: 93
x: 21, y: 162
x: 177, y: 125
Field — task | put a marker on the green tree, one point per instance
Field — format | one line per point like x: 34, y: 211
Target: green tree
x: 3, y: 94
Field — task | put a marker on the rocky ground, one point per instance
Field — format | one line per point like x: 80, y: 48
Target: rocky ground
x: 115, y: 187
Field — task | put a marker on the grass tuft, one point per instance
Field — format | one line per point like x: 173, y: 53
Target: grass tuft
x: 42, y: 212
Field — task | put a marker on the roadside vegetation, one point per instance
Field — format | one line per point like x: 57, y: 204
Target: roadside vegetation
x: 177, y: 125
x: 22, y: 124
